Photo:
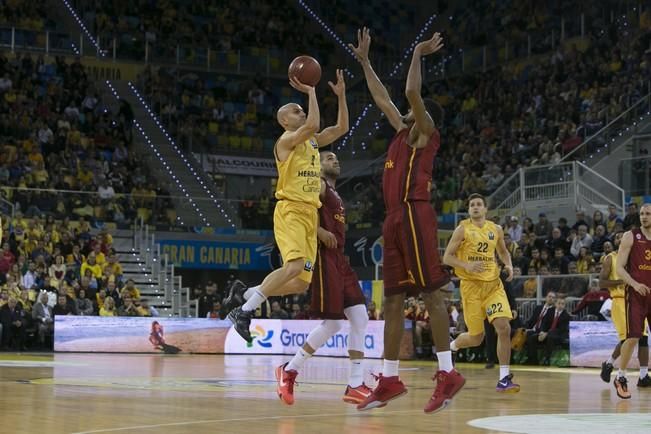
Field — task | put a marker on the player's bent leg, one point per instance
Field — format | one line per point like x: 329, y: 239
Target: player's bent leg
x: 286, y: 373
x: 389, y: 385
x: 466, y: 340
x: 503, y: 330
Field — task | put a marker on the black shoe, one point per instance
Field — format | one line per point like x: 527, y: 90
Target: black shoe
x: 241, y: 320
x: 606, y: 370
x: 235, y: 295
x: 489, y: 365
x: 644, y: 382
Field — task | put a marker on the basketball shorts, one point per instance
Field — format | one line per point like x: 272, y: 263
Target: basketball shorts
x: 483, y: 300
x: 638, y: 313
x: 411, y: 257
x: 335, y: 285
x: 295, y: 226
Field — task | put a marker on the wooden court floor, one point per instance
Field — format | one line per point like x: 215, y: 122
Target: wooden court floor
x: 102, y: 393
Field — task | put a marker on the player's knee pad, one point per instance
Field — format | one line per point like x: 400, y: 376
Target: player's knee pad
x: 644, y: 341
x: 323, y: 332
x: 358, y: 319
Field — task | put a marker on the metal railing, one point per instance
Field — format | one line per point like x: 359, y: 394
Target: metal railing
x: 598, y: 144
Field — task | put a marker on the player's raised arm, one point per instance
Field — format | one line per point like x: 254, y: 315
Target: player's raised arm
x: 290, y: 139
x: 378, y: 90
x: 622, y: 259
x: 332, y: 133
x: 423, y: 120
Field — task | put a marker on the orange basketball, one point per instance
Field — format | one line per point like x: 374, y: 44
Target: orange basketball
x: 306, y: 69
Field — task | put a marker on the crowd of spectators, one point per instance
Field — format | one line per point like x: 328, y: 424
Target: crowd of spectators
x: 49, y: 268
x: 215, y: 24
x: 58, y: 131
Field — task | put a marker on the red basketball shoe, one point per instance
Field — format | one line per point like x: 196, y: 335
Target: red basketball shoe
x: 388, y: 388
x: 286, y: 380
x: 447, y: 385
x: 356, y: 395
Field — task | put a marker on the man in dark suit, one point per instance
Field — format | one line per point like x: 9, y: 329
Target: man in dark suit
x: 13, y: 324
x: 537, y: 323
x: 558, y: 331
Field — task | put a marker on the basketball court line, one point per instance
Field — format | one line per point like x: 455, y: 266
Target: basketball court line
x: 249, y: 419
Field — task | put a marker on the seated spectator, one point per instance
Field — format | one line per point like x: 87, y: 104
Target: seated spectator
x: 581, y: 239
x: 92, y: 265
x: 521, y: 261
x: 128, y: 308
x: 514, y: 229
x: 145, y: 309
x: 84, y: 305
x: 592, y: 301
x: 14, y: 324
x: 598, y: 240
x: 556, y: 330
x: 216, y: 312
x: 62, y: 307
x: 612, y: 219
x: 632, y: 219
x: 584, y: 261
x: 422, y: 331
x: 43, y: 316
x: 108, y: 308
x: 131, y: 290
x: 559, y: 260
x: 58, y: 269
x: 543, y: 228
x: 278, y: 312
x: 557, y: 241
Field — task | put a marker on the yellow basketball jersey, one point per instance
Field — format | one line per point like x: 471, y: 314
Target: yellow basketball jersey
x: 615, y: 291
x: 479, y: 245
x: 299, y: 177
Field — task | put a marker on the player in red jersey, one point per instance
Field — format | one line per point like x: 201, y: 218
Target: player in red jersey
x: 634, y: 269
x: 335, y: 294
x: 411, y: 259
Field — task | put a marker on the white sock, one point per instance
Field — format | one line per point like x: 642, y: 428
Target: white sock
x: 356, y: 373
x: 610, y: 360
x: 453, y: 346
x: 249, y: 292
x: 298, y: 360
x: 644, y: 371
x: 504, y: 371
x: 445, y: 361
x: 621, y: 373
x: 390, y: 368
x: 254, y: 302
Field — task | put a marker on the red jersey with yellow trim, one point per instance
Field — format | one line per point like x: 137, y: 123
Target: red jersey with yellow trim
x: 639, y: 260
x: 408, y: 171
x: 332, y: 215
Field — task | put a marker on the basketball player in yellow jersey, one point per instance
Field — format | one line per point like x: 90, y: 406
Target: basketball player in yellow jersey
x: 297, y: 191
x: 608, y: 279
x: 471, y: 252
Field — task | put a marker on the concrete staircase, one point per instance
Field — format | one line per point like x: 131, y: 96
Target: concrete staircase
x: 197, y: 201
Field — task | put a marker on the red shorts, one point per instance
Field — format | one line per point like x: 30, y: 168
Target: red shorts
x: 638, y: 308
x: 334, y: 286
x: 411, y: 257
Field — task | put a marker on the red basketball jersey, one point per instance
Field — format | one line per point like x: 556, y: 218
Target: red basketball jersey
x: 332, y: 215
x: 408, y: 171
x: 639, y: 260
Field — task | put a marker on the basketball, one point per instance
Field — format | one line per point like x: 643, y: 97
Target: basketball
x: 306, y: 69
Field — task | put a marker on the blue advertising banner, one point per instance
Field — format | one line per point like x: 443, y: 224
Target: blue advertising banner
x: 218, y: 254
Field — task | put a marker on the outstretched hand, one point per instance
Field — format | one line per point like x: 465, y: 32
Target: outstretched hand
x: 293, y: 81
x: 339, y: 88
x: 363, y: 44
x: 430, y: 46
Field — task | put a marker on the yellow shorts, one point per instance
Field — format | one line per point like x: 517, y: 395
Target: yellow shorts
x: 618, y: 314
x: 482, y: 300
x: 295, y: 226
